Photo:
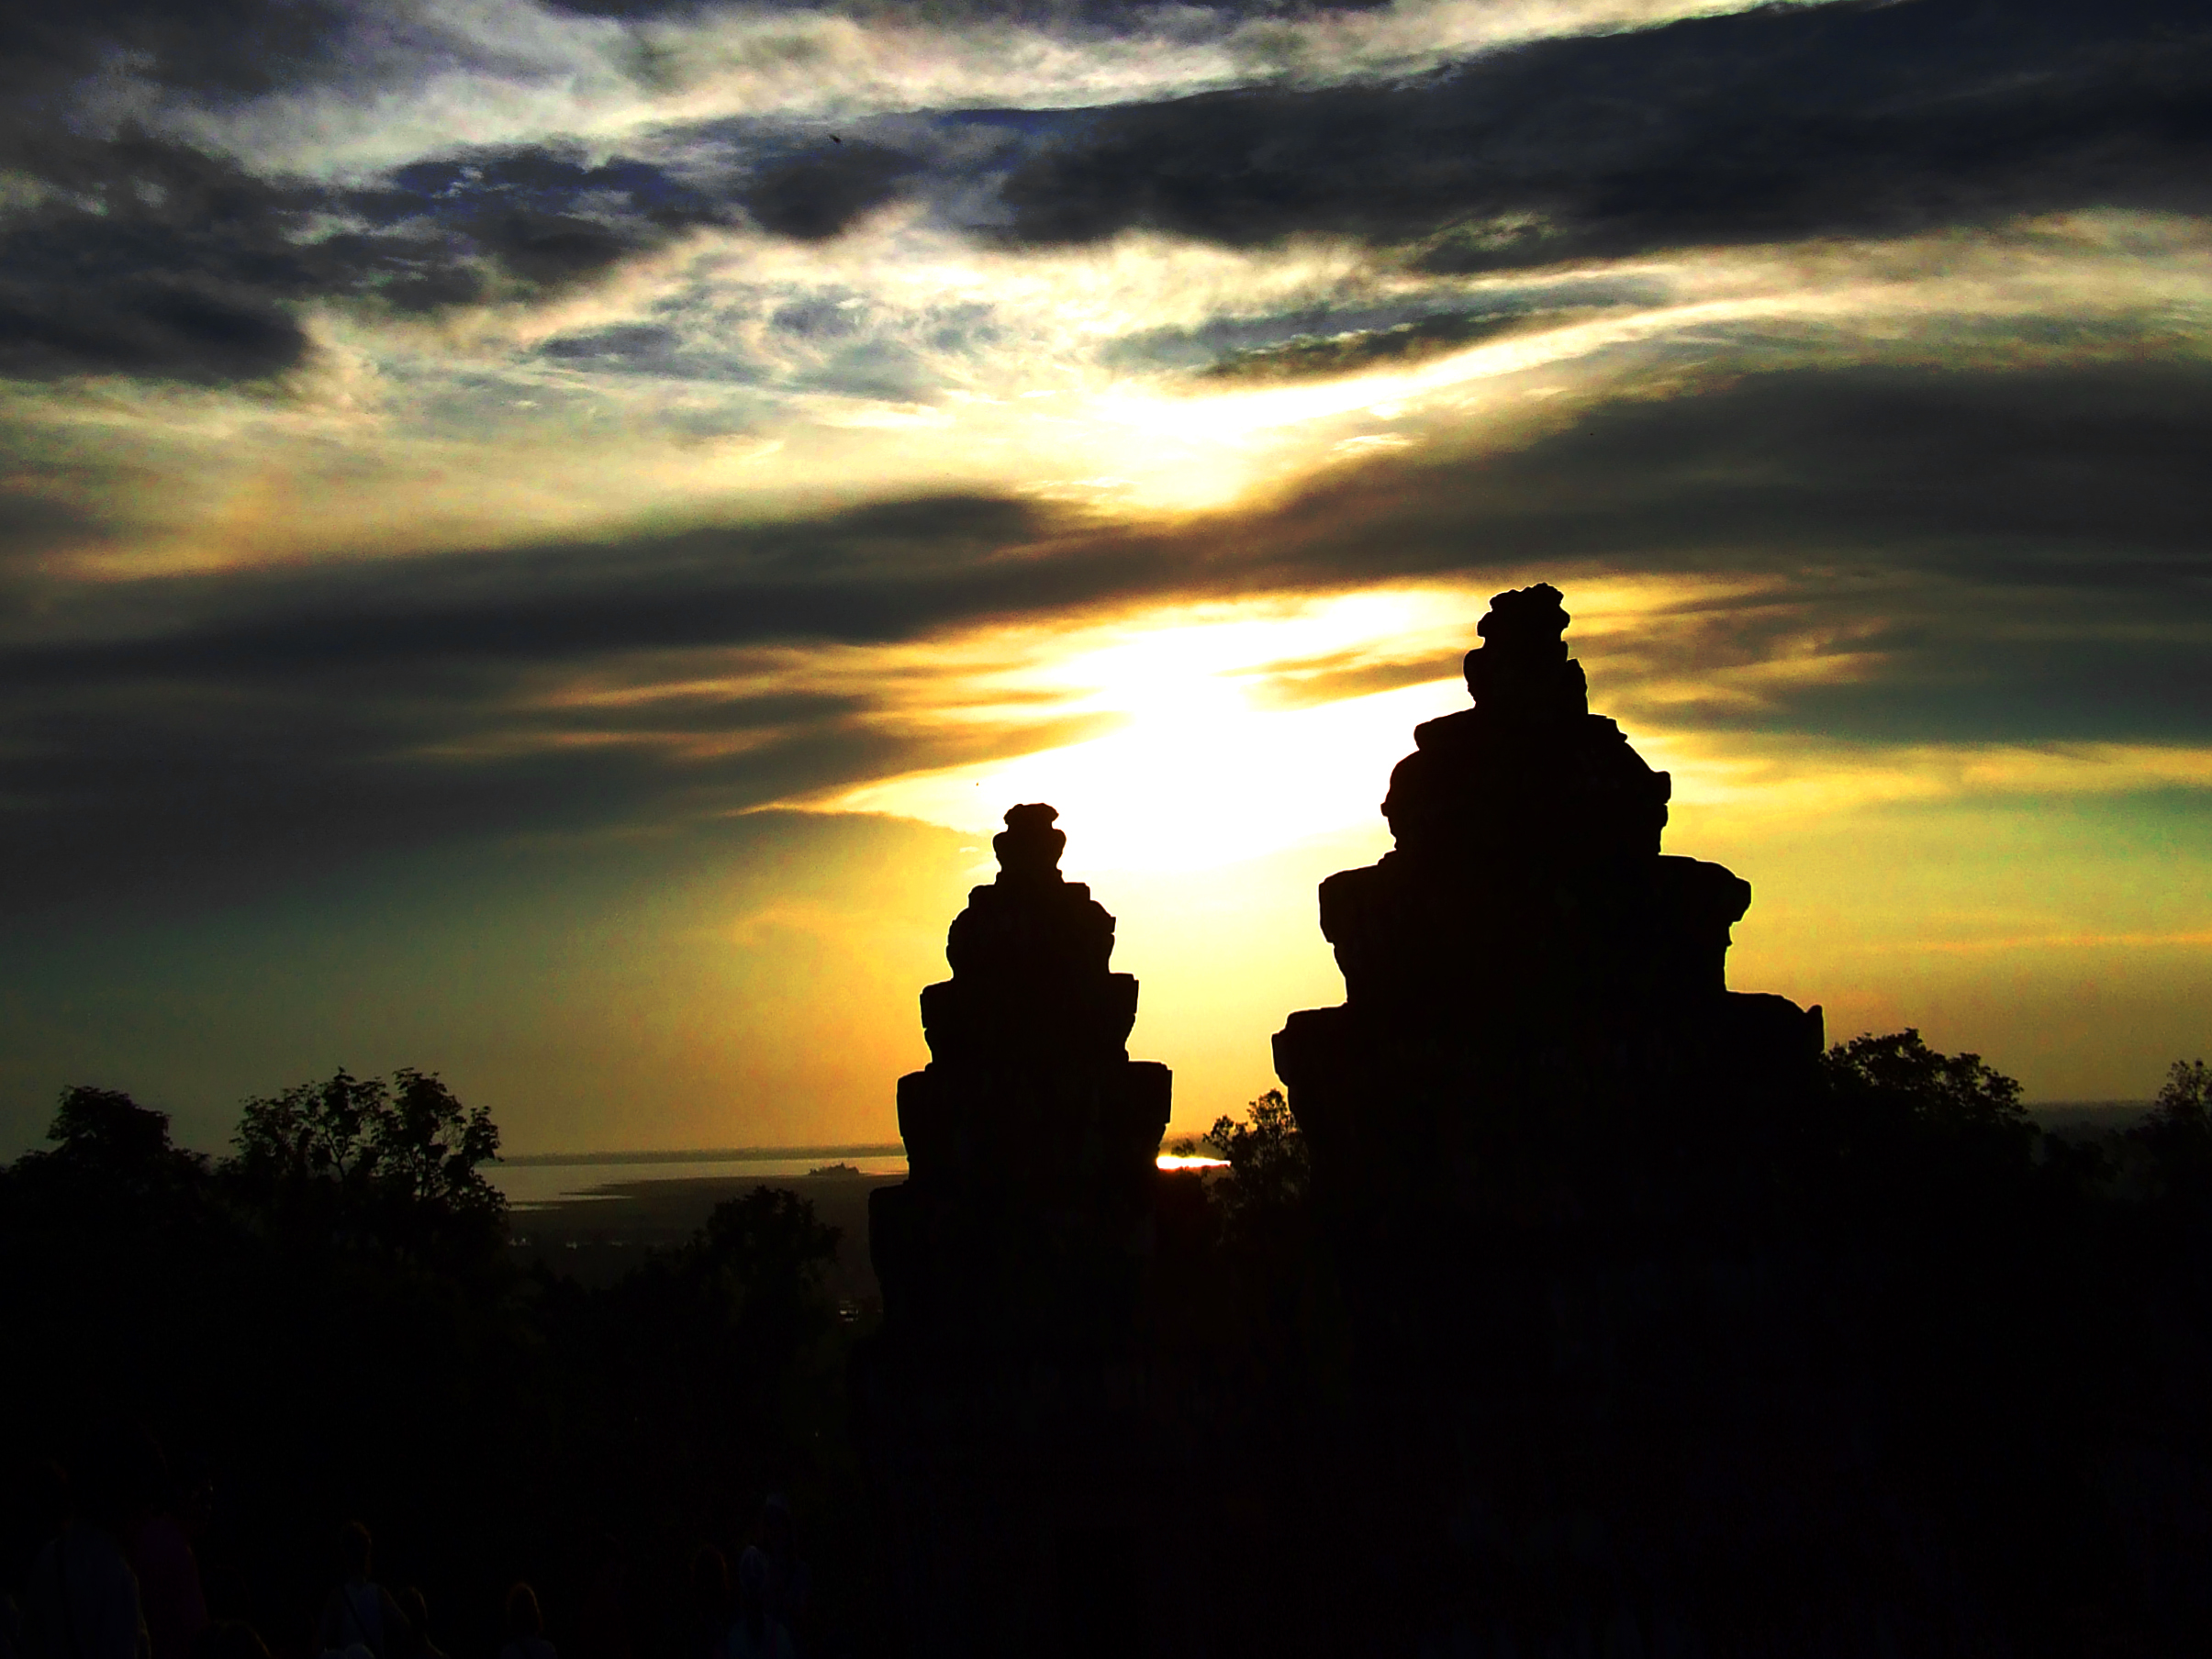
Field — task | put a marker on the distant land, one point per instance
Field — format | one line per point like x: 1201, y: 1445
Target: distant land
x: 2050, y: 1114
x: 2087, y: 1114
x: 727, y: 1154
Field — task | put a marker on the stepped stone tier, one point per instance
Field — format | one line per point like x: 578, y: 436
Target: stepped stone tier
x: 1004, y: 1408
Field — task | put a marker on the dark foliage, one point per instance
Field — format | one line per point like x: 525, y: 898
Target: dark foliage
x: 327, y: 1322
x: 1264, y: 1191
x: 328, y: 1319
x: 104, y: 1133
x: 1894, y: 1096
x: 395, y: 1161
x: 2174, y: 1143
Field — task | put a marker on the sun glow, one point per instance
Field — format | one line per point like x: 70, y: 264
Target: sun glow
x: 1227, y: 744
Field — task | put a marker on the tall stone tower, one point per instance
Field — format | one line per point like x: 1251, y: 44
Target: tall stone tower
x: 1552, y: 1152
x: 1532, y: 987
x: 1003, y: 1406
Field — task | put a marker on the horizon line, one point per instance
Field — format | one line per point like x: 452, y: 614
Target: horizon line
x: 726, y: 1154
x: 885, y: 1149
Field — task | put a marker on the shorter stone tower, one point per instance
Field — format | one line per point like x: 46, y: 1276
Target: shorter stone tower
x: 1002, y: 1406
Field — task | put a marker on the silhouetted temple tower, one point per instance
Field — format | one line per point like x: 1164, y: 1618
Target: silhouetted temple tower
x: 1550, y: 1150
x: 1526, y: 968
x: 1003, y: 1405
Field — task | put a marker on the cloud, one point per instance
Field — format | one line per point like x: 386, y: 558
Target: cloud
x: 1119, y: 16
x: 398, y: 81
x: 143, y: 257
x: 1311, y: 357
x: 811, y: 198
x: 1784, y: 122
x: 235, y: 46
x: 545, y: 213
x: 138, y: 254
x: 1878, y: 556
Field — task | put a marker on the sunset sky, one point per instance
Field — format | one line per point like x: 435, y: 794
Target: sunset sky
x: 538, y: 540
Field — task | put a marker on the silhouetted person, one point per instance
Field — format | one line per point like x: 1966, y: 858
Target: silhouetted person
x: 418, y: 1611
x: 525, y: 1626
x: 359, y: 1614
x: 790, y: 1586
x: 83, y: 1597
x: 707, y: 1621
x: 757, y: 1634
x: 169, y: 1573
x: 602, y: 1627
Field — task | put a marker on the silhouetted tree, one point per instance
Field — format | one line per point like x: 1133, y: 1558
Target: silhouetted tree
x: 1268, y: 1176
x: 2176, y: 1136
x: 762, y: 1257
x: 1946, y: 1095
x: 106, y: 1137
x: 397, y: 1161
x: 106, y: 1130
x: 313, y: 1130
x: 430, y: 1145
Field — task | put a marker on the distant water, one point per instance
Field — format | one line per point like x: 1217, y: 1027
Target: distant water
x: 531, y: 1183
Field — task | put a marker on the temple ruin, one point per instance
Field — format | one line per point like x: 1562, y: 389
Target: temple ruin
x: 1004, y: 1408
x: 1575, y: 1371
x: 1606, y: 1386
x: 1525, y: 964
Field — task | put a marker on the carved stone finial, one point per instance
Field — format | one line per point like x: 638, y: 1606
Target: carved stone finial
x: 1522, y: 667
x: 1525, y: 616
x: 1029, y: 848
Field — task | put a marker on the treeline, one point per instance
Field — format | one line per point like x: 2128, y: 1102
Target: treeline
x: 326, y: 1326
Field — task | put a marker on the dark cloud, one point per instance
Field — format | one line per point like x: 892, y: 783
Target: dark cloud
x: 1308, y: 340
x: 34, y: 523
x: 2011, y: 557
x: 149, y: 258
x: 142, y: 256
x: 1999, y: 556
x: 813, y: 197
x: 221, y: 47
x: 1179, y: 21
x: 1317, y: 356
x: 633, y: 348
x: 546, y: 215
x: 2080, y: 482
x: 873, y: 575
x: 1780, y: 123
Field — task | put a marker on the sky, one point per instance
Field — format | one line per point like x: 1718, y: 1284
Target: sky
x: 537, y: 540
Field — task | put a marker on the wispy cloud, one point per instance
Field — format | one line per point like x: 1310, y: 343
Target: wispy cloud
x: 389, y: 84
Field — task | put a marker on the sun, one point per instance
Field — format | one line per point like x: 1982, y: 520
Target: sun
x: 1221, y: 748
